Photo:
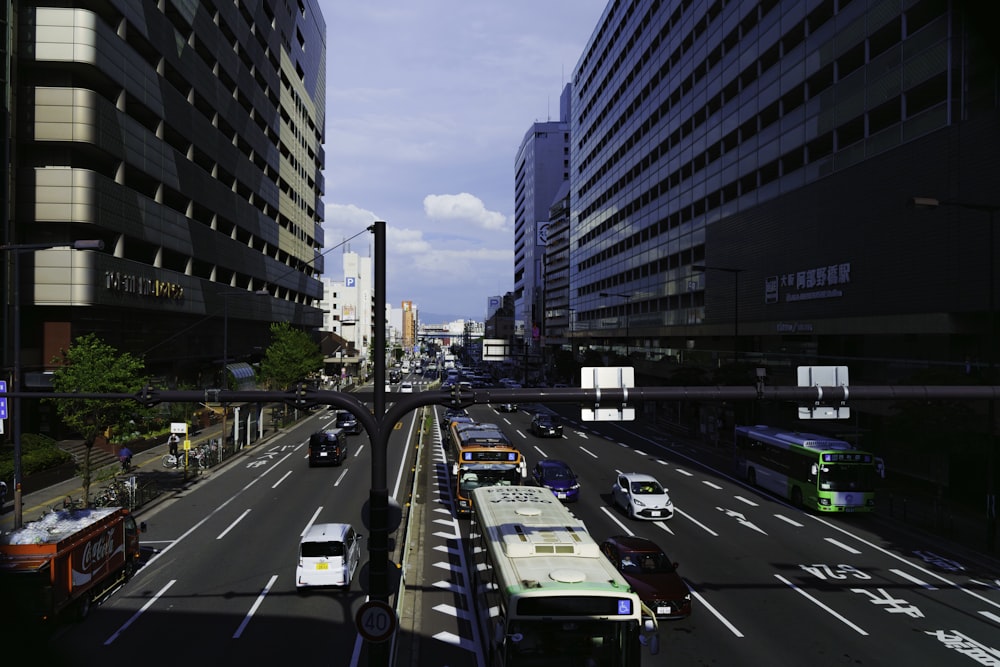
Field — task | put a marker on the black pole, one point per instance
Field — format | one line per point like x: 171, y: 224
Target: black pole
x: 991, y: 499
x: 16, y: 386
x: 378, y: 496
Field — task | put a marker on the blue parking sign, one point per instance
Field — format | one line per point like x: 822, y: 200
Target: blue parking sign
x: 3, y: 400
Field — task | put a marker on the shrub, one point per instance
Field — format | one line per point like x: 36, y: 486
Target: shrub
x: 38, y: 452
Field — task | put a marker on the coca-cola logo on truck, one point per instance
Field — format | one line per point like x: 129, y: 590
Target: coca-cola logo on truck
x: 98, y: 550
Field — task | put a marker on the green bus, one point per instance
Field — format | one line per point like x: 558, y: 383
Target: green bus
x: 813, y: 471
x: 545, y: 595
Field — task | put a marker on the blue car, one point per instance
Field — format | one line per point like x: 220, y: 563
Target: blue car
x: 558, y: 477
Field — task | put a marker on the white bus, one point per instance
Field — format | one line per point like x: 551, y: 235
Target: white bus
x: 545, y: 594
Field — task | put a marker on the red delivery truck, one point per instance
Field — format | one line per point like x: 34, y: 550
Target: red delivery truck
x: 65, y: 561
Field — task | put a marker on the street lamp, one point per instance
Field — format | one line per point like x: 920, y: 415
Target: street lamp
x: 16, y: 249
x: 702, y: 268
x: 991, y: 211
x: 628, y: 314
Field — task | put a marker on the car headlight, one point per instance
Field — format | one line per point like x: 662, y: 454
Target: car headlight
x: 638, y: 503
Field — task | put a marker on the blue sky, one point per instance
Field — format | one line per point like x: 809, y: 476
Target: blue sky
x: 427, y: 103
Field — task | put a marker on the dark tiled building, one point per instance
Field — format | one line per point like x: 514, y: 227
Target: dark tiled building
x: 187, y: 137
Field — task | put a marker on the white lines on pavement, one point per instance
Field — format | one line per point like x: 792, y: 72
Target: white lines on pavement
x: 711, y: 485
x: 788, y: 521
x: 452, y: 610
x: 704, y: 603
x: 664, y: 526
x: 638, y: 451
x: 232, y: 525
x: 449, y: 586
x: 281, y: 479
x: 455, y: 640
x: 341, y: 477
x: 912, y: 579
x: 850, y: 550
x: 747, y: 501
x: 585, y: 451
x: 990, y: 615
x: 697, y: 523
x: 137, y: 614
x: 253, y: 609
x: 821, y: 605
x: 684, y: 472
x: 614, y: 517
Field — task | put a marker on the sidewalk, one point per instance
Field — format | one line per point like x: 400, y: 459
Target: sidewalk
x: 146, y: 467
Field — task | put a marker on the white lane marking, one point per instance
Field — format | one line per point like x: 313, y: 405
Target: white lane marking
x: 340, y: 478
x: 697, y: 523
x: 233, y: 524
x: 912, y: 579
x: 281, y: 479
x: 722, y: 619
x: 711, y: 485
x: 614, y: 518
x: 789, y: 521
x: 137, y: 614
x: 684, y: 472
x: 821, y: 605
x: 990, y: 615
x: 741, y: 519
x: 850, y: 550
x: 746, y: 501
x: 585, y: 451
x: 664, y: 526
x: 256, y: 604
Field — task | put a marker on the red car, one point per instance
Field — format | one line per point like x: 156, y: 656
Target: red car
x: 652, y: 575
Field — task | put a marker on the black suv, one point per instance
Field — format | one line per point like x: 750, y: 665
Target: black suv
x: 395, y: 375
x: 348, y: 422
x: 328, y: 447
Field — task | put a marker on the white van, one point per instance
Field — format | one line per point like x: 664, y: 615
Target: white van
x: 329, y: 554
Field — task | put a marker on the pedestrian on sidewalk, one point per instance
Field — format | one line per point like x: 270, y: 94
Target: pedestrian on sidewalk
x: 174, y: 442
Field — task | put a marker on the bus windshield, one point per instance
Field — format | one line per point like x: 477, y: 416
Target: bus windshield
x: 570, y: 643
x: 473, y: 477
x: 846, y: 477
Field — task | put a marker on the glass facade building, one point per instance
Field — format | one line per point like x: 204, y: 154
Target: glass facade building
x: 743, y: 175
x: 188, y: 138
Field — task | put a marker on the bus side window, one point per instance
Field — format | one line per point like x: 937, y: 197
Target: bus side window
x: 813, y: 470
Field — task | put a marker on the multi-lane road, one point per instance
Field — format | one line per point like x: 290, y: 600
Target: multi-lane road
x: 770, y: 583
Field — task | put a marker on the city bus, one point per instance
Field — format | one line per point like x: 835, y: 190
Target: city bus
x: 544, y: 593
x: 485, y: 465
x: 813, y: 471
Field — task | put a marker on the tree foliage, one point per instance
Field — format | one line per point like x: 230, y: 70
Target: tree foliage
x: 291, y: 356
x: 92, y: 366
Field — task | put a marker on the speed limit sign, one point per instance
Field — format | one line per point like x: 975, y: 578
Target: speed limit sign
x: 376, y: 621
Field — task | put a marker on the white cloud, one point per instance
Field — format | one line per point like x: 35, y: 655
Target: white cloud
x: 464, y: 207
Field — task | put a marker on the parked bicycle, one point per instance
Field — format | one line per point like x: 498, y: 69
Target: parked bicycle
x: 196, y: 457
x: 69, y: 503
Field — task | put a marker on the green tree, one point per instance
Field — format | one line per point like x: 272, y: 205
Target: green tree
x: 292, y: 356
x: 92, y: 366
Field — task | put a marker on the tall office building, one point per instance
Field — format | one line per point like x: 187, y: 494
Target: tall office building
x: 540, y: 169
x: 743, y: 174
x: 188, y: 138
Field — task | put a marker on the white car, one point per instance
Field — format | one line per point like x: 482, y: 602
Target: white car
x: 406, y: 388
x: 329, y: 554
x: 642, y: 497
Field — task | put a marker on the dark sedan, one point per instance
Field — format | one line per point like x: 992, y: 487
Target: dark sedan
x: 546, y: 426
x: 651, y: 574
x: 348, y: 422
